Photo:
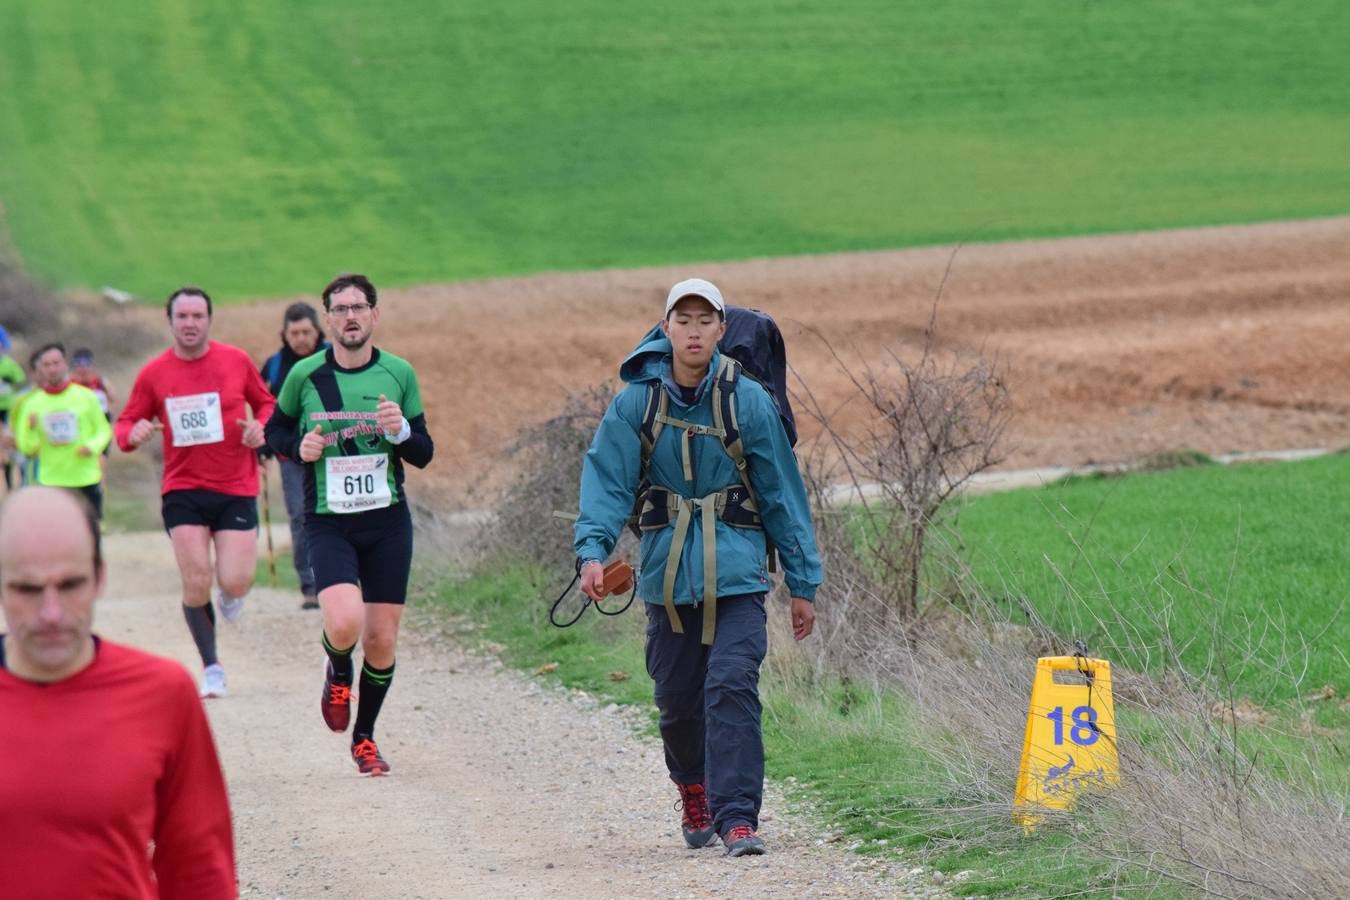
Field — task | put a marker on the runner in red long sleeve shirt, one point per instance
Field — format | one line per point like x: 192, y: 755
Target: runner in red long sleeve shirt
x: 129, y: 799
x: 194, y: 396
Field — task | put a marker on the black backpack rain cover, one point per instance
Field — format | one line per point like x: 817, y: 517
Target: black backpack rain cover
x: 753, y: 340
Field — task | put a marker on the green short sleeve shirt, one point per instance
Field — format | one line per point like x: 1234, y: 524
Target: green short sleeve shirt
x: 360, y: 469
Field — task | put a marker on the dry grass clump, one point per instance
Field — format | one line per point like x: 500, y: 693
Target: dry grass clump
x: 1209, y: 798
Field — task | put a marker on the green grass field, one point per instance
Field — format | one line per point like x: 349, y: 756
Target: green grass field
x: 258, y: 147
x: 1247, y: 557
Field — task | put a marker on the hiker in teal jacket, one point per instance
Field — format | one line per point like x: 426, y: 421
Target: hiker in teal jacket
x: 703, y: 571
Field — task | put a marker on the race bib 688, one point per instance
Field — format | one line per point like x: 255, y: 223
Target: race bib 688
x: 195, y: 419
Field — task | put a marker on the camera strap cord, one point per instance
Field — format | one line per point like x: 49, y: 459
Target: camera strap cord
x: 587, y: 601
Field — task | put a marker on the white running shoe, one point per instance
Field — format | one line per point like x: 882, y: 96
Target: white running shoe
x: 230, y: 607
x: 213, y: 681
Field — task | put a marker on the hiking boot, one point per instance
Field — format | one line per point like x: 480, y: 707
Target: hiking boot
x: 230, y: 607
x: 741, y: 840
x: 368, y: 759
x: 309, y: 601
x: 336, y: 701
x: 213, y: 681
x: 697, y: 824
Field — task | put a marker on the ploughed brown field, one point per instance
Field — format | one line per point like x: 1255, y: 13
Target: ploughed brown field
x: 1221, y: 339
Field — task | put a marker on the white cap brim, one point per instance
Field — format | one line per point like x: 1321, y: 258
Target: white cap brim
x: 695, y: 287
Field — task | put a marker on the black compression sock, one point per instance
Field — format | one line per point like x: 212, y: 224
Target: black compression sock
x: 201, y: 621
x: 374, y: 685
x: 341, y: 660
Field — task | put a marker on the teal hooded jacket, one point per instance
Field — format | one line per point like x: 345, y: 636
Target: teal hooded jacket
x: 612, y: 471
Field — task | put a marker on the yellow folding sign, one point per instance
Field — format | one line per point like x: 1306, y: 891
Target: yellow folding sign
x: 1070, y: 741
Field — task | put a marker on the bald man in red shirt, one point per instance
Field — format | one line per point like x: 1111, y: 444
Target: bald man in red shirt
x: 128, y: 799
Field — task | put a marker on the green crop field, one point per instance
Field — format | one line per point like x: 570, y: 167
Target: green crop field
x: 1237, y: 559
x: 259, y: 146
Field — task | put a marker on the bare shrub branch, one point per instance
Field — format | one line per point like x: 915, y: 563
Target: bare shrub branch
x: 547, y: 464
x: 933, y: 425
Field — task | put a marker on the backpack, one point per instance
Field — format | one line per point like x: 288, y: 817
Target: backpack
x: 753, y: 339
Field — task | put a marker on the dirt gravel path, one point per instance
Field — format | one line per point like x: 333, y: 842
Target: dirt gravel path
x: 500, y: 787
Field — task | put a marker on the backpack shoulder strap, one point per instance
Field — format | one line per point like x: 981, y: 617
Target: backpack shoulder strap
x: 653, y: 415
x: 725, y: 417
x: 653, y: 420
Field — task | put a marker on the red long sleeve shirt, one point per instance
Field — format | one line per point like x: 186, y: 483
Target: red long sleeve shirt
x: 121, y: 756
x: 199, y: 401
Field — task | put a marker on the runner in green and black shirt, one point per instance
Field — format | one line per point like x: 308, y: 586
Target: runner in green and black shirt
x: 353, y: 415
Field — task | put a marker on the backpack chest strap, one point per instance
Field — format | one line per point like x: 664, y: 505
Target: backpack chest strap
x: 687, y: 432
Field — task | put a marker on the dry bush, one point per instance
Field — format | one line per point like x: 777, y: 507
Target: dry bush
x: 856, y: 618
x: 547, y: 464
x: 934, y: 424
x: 546, y: 475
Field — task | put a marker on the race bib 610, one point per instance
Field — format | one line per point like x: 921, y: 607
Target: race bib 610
x: 357, y: 483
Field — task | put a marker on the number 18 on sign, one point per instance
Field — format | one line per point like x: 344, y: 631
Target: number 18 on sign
x: 1070, y: 742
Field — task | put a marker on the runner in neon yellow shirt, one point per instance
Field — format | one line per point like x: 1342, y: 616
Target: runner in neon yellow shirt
x: 62, y: 425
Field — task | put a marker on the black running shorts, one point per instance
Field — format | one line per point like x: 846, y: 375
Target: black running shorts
x: 372, y: 549
x: 219, y: 512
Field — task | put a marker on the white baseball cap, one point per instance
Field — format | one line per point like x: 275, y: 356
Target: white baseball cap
x: 696, y: 287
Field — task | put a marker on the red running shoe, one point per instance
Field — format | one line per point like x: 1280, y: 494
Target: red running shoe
x: 336, y: 701
x: 698, y: 823
x: 368, y: 759
x: 741, y: 840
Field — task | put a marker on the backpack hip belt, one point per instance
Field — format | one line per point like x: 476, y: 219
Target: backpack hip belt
x: 658, y: 506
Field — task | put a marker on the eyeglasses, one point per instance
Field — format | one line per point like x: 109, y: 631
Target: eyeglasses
x: 343, y: 310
